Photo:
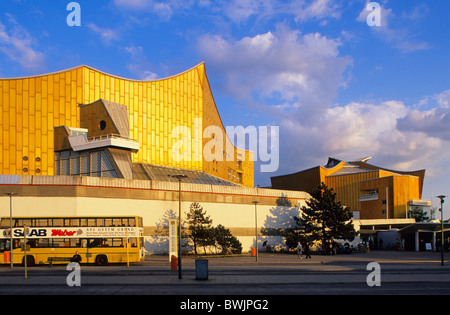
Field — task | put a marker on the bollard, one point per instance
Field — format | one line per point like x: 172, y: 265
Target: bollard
x: 173, y: 262
x: 6, y: 256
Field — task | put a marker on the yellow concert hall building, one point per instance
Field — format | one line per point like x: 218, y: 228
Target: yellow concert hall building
x: 86, y: 122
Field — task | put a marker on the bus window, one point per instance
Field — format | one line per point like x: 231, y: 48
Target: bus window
x: 16, y: 244
x: 117, y: 242
x: 33, y: 243
x: 41, y: 222
x: 96, y: 242
x: 4, y: 223
x: 132, y: 241
x: 83, y: 242
x: 43, y: 242
x: 58, y: 242
x: 57, y: 222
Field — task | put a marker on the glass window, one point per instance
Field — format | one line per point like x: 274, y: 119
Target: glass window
x: 58, y: 242
x: 100, y: 222
x: 117, y: 222
x: 44, y: 242
x: 5, y: 223
x: 108, y: 222
x: 74, y: 222
x: 58, y: 222
x: 91, y: 222
x: 117, y: 242
x: 83, y: 222
x: 41, y: 222
x: 65, y: 167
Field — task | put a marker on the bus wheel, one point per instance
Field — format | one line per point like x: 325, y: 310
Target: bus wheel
x: 101, y: 260
x: 30, y: 261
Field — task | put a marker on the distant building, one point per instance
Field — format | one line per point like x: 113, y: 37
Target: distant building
x: 370, y: 191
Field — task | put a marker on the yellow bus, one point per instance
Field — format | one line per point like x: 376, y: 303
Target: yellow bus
x: 99, y: 240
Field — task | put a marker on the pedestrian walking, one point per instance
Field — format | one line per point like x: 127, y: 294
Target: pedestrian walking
x: 307, y: 254
x: 299, y: 251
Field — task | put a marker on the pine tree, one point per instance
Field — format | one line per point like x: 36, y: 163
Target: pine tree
x: 224, y: 240
x: 199, y: 226
x: 324, y: 218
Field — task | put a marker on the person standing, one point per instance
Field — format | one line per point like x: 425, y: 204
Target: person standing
x: 76, y: 258
x: 299, y: 251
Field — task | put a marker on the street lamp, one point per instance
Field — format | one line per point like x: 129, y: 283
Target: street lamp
x: 179, y: 178
x: 11, y: 247
x: 256, y: 228
x: 442, y: 228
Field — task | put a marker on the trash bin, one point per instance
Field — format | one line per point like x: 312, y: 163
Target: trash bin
x: 201, y: 269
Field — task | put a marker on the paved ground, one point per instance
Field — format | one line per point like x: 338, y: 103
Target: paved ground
x: 274, y: 274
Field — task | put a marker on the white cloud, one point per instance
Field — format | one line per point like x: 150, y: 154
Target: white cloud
x: 294, y: 70
x: 107, y: 35
x: 163, y: 9
x: 140, y: 65
x: 17, y: 43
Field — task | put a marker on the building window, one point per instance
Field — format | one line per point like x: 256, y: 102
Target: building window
x: 93, y: 163
x: 102, y: 125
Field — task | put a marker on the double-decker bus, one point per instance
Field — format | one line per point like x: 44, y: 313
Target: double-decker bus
x: 99, y: 240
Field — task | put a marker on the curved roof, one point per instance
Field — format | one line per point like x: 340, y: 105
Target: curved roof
x: 102, y: 72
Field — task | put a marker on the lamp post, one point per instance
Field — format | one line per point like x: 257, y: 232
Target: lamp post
x: 179, y: 178
x: 442, y: 228
x: 256, y: 228
x: 11, y: 247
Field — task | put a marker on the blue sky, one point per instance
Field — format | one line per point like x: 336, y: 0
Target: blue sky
x: 334, y: 85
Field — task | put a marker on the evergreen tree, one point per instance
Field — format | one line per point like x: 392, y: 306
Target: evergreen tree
x: 224, y: 240
x: 324, y: 218
x: 419, y: 214
x: 199, y: 226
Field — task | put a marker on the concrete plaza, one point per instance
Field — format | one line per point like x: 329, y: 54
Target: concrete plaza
x: 273, y: 274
